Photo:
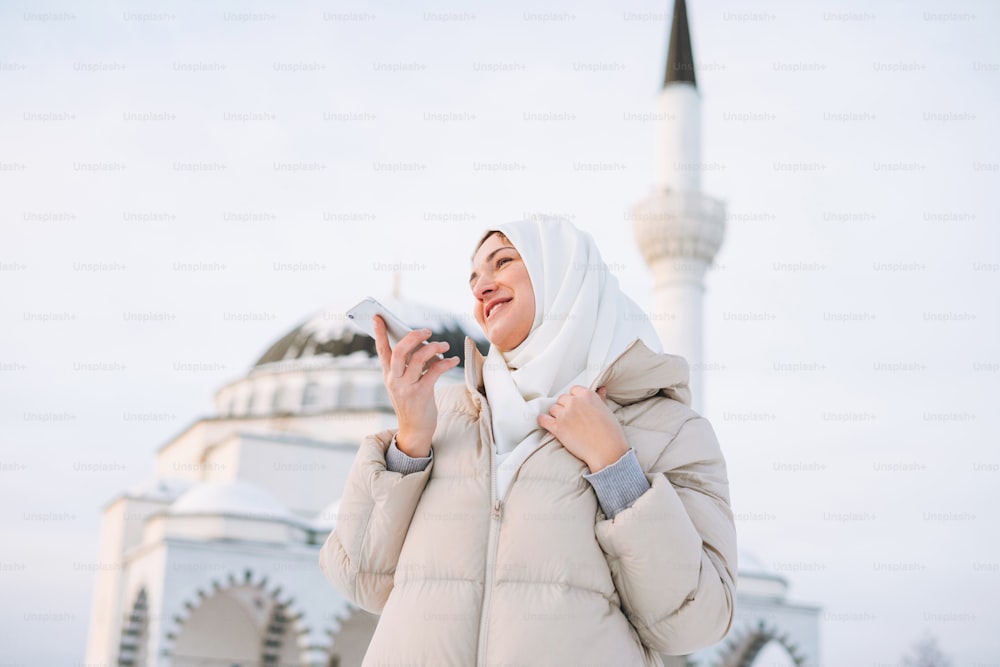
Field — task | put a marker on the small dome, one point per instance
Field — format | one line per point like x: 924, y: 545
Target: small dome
x: 750, y: 563
x: 757, y: 580
x: 327, y: 519
x: 330, y: 333
x: 231, y: 497
x: 160, y: 489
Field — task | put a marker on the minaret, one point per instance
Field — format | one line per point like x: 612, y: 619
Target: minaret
x: 679, y: 229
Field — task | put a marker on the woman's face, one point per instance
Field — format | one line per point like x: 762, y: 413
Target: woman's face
x: 500, y: 276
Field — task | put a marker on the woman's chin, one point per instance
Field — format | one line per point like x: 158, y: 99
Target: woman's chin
x: 503, y: 340
x: 499, y: 338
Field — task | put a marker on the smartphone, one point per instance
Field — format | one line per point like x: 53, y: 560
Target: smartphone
x: 361, y: 316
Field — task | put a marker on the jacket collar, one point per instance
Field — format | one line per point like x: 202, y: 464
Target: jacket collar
x: 636, y: 374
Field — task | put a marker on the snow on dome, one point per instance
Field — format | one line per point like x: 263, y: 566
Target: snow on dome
x: 750, y: 563
x: 233, y: 497
x: 162, y: 489
x: 327, y: 519
x: 329, y: 333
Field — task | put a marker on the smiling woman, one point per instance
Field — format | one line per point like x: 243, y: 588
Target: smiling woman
x: 564, y: 506
x: 505, y: 301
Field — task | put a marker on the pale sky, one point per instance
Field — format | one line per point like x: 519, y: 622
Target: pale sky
x: 855, y: 146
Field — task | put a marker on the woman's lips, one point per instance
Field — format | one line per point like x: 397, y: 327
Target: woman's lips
x: 496, y: 308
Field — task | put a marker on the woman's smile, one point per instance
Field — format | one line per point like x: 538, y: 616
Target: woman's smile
x: 496, y: 309
x: 504, y: 298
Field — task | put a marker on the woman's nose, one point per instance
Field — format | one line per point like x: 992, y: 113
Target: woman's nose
x: 483, y: 286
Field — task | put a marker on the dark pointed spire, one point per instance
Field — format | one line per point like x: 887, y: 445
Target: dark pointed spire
x: 680, y: 61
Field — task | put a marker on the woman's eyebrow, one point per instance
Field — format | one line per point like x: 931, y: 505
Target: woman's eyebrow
x: 489, y: 257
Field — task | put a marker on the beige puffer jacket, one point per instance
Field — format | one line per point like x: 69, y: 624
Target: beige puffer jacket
x: 542, y: 577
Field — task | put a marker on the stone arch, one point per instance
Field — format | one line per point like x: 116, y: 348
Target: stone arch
x: 742, y: 646
x: 349, y: 637
x: 239, y: 619
x: 135, y: 633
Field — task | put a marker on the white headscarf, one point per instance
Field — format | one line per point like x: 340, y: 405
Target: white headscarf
x: 583, y: 321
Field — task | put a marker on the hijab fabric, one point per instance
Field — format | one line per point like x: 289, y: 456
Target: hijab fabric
x: 582, y: 323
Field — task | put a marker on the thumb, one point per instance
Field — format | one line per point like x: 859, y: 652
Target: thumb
x: 603, y: 393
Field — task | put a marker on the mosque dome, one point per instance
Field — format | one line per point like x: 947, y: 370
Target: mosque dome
x: 758, y: 580
x: 325, y: 364
x: 231, y: 498
x: 750, y: 563
x: 160, y: 489
x: 330, y: 334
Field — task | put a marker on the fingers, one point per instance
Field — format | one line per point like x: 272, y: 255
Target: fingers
x: 403, y: 361
x: 578, y: 399
x: 394, y: 360
x: 381, y: 343
x: 438, y: 367
x: 404, y: 355
x: 425, y: 353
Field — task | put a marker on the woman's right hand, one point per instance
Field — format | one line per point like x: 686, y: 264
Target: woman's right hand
x: 411, y: 392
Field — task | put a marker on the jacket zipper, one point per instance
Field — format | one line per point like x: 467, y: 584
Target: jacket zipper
x: 491, y: 545
x: 484, y: 620
x: 495, y: 515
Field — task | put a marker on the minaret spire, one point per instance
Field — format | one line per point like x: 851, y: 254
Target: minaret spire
x: 678, y: 228
x: 680, y: 59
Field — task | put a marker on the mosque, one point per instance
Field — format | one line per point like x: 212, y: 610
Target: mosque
x: 218, y: 551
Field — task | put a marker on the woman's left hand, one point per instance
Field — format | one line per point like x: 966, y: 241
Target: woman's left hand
x: 582, y: 421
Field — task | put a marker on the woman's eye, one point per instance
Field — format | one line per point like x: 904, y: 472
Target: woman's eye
x: 503, y: 259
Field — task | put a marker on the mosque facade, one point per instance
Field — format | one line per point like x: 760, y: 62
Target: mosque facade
x: 218, y: 551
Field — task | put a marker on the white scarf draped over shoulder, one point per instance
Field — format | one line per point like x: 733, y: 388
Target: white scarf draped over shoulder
x: 583, y: 322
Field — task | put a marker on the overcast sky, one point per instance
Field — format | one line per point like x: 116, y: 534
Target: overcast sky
x: 164, y: 169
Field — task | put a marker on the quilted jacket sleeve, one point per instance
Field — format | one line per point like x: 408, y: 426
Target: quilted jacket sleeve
x: 672, y: 554
x: 360, y: 555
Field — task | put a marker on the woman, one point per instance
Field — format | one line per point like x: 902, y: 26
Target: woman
x: 565, y: 506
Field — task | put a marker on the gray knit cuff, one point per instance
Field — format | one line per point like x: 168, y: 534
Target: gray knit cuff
x: 397, y: 461
x: 620, y: 484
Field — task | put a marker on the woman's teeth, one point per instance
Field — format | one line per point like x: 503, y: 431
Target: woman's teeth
x: 496, y: 308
